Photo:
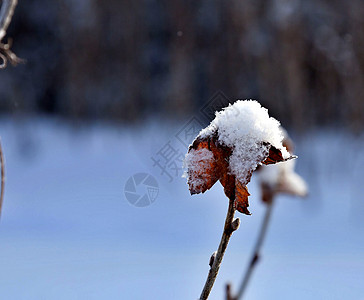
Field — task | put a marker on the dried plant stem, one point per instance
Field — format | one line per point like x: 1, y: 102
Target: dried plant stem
x: 6, y: 14
x: 2, y: 162
x: 215, y: 262
x: 256, y: 254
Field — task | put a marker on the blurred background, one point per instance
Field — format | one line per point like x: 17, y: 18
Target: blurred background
x: 113, y: 88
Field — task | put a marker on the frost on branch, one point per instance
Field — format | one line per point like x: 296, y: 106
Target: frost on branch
x: 241, y: 137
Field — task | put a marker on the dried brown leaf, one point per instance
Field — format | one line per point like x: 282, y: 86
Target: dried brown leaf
x: 241, y: 198
x: 206, y: 175
x: 208, y: 172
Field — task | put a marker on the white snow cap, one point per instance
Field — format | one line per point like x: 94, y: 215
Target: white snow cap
x: 244, y: 126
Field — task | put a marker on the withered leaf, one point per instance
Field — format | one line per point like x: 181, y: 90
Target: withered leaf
x: 284, y: 179
x: 274, y: 156
x: 205, y: 176
x: 267, y: 192
x: 241, y: 198
x: 206, y: 172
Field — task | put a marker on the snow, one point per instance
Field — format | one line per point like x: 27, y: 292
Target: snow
x: 291, y: 181
x: 283, y: 177
x: 244, y: 126
x: 67, y: 231
x: 197, y: 161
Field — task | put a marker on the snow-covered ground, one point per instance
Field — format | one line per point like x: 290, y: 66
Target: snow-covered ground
x: 68, y: 232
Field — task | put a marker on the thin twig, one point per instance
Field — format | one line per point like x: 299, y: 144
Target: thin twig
x: 256, y: 253
x: 230, y: 226
x: 2, y: 162
x: 6, y: 14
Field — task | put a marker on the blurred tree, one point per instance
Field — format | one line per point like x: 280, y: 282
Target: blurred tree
x: 128, y: 59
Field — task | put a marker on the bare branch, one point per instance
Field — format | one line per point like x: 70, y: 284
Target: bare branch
x: 6, y: 14
x: 230, y: 226
x: 255, y: 256
x: 2, y: 162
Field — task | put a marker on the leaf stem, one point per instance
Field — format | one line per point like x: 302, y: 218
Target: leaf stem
x: 230, y: 226
x: 256, y: 253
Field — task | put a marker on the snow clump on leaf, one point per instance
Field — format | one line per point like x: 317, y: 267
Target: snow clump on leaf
x: 241, y: 137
